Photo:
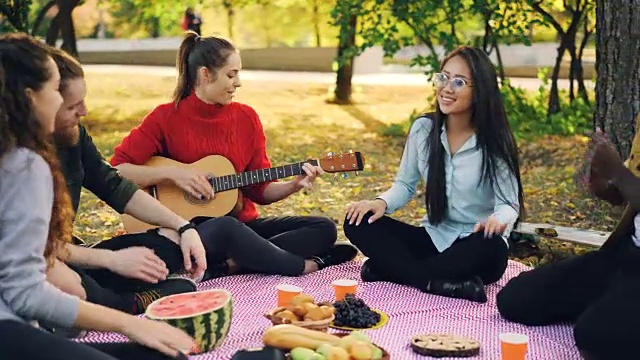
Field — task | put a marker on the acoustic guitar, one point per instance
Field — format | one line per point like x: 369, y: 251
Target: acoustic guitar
x: 226, y: 184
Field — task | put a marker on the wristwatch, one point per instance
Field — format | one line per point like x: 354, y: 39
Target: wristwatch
x: 186, y: 227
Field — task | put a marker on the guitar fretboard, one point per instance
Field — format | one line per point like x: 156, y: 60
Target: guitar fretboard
x: 234, y: 181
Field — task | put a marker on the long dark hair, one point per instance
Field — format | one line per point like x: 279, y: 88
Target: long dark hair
x: 23, y: 65
x: 195, y: 52
x: 492, y: 129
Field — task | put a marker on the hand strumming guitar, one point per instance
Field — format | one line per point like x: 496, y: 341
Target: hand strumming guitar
x: 605, y: 166
x: 194, y: 182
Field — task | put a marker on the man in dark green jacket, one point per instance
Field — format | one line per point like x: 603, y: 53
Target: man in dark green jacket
x: 129, y: 271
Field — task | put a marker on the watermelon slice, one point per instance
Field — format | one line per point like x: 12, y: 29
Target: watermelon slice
x: 205, y: 315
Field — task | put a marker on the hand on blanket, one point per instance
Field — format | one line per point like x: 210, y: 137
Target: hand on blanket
x: 138, y: 263
x: 191, y: 246
x: 490, y: 226
x: 160, y: 336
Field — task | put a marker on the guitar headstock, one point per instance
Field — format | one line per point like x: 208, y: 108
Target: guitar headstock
x: 342, y: 162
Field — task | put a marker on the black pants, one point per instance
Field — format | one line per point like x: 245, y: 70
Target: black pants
x: 405, y: 254
x: 23, y: 341
x: 599, y: 292
x: 277, y: 245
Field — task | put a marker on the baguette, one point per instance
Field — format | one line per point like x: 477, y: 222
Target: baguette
x: 288, y: 337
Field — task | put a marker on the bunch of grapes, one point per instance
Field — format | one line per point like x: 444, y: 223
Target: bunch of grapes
x: 353, y: 312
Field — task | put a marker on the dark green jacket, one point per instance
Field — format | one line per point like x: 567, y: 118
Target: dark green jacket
x: 84, y: 166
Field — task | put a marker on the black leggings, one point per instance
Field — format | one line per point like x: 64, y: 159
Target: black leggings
x: 23, y: 341
x: 276, y: 245
x: 599, y: 292
x: 405, y: 254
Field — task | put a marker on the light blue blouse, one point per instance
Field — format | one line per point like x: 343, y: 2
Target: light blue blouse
x: 468, y: 200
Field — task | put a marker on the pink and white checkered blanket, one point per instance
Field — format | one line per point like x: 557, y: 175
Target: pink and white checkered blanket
x: 410, y: 312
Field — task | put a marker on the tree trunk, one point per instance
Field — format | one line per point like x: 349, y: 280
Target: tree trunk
x: 582, y: 89
x: 228, y: 6
x: 573, y: 70
x: 154, y: 23
x: 345, y: 71
x: 618, y: 67
x: 554, y: 99
x: 316, y: 22
x: 65, y: 21
x: 501, y: 73
x: 230, y: 20
x: 53, y: 31
x: 41, y: 14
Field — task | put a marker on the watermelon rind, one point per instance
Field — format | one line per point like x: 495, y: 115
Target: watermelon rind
x: 209, y: 328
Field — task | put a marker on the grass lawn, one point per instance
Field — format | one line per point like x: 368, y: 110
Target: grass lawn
x: 300, y: 124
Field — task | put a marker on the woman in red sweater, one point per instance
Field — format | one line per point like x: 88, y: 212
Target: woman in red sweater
x: 204, y: 120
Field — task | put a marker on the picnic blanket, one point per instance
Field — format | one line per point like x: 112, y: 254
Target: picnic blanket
x: 410, y: 312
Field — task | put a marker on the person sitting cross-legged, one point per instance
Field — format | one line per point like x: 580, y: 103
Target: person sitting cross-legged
x: 204, y: 120
x: 599, y: 291
x: 127, y: 272
x: 36, y: 221
x: 467, y: 155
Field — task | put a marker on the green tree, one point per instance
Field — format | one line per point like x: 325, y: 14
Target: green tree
x: 569, y: 19
x: 16, y: 15
x: 438, y: 27
x: 149, y: 18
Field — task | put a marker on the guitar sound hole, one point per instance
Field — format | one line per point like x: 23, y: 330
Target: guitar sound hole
x: 193, y: 200
x: 196, y: 201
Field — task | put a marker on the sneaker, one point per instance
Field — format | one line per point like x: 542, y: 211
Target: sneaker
x: 339, y: 254
x: 472, y: 289
x: 174, y: 284
x: 368, y: 272
x: 215, y: 271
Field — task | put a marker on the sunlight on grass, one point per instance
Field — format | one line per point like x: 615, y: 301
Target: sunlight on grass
x: 300, y: 124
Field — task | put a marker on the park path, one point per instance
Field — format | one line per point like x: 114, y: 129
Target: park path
x: 382, y: 78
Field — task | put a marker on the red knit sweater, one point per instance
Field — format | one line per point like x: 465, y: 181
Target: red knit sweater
x: 195, y: 130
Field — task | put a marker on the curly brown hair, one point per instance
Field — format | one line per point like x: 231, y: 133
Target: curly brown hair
x: 23, y: 65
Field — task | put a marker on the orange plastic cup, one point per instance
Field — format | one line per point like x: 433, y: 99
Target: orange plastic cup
x: 287, y: 292
x: 513, y: 346
x: 342, y: 287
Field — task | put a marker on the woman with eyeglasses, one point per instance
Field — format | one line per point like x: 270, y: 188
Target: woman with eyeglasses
x: 467, y: 155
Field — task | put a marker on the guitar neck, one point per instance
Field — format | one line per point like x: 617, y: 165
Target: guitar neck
x: 234, y: 181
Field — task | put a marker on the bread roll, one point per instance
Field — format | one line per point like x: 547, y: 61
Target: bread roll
x: 287, y: 337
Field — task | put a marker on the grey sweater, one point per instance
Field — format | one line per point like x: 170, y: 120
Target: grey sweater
x: 26, y: 199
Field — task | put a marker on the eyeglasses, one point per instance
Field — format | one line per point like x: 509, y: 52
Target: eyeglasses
x: 457, y: 84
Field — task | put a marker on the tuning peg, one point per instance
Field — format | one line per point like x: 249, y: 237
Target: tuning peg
x: 345, y: 175
x: 330, y: 154
x: 335, y: 176
x: 356, y: 173
x: 350, y: 151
